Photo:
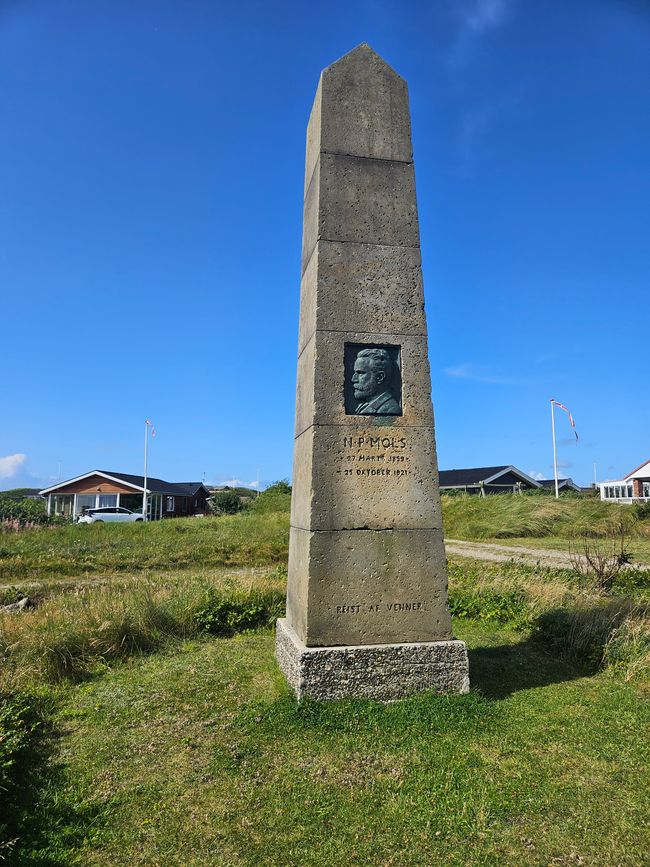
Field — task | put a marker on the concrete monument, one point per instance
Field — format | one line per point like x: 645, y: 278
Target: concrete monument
x: 367, y: 611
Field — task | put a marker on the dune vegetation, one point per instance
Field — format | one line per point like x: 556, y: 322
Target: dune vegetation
x: 143, y: 684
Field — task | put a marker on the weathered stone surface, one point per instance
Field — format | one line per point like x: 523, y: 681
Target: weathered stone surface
x: 384, y: 672
x: 361, y: 109
x: 359, y: 200
x: 360, y: 476
x: 368, y: 587
x: 378, y: 288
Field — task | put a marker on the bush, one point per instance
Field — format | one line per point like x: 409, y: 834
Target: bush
x: 598, y: 562
x: 233, y: 609
x: 226, y: 503
x: 276, y: 498
x: 18, y: 726
x: 24, y: 511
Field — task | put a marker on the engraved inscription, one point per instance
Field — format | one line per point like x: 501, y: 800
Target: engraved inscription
x: 372, y: 380
x: 376, y: 607
x: 374, y: 457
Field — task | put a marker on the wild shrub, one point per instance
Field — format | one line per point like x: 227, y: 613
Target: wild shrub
x: 233, y: 609
x: 490, y: 604
x: 598, y: 562
x: 19, y: 723
x: 226, y: 503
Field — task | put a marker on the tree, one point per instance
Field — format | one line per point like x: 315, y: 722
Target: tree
x: 226, y: 503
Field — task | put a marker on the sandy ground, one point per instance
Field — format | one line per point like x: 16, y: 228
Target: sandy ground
x: 501, y: 553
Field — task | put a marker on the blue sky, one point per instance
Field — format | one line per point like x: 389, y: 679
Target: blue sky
x: 151, y: 172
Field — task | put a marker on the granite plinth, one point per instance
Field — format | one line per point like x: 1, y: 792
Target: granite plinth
x: 384, y: 672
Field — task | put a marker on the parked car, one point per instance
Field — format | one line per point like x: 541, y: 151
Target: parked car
x: 108, y: 514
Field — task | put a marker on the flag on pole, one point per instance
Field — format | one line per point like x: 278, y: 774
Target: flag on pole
x: 571, y: 421
x: 153, y: 429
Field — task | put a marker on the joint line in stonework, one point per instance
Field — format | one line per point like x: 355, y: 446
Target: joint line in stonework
x: 360, y: 157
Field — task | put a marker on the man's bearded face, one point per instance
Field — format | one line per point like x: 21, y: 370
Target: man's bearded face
x: 366, y: 381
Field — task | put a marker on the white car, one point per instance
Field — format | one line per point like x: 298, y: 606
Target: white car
x: 109, y: 514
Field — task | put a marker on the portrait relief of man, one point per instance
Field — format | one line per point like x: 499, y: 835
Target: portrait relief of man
x: 372, y: 383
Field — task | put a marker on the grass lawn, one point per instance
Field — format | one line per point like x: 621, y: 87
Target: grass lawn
x: 81, y: 550
x: 130, y: 736
x: 199, y: 755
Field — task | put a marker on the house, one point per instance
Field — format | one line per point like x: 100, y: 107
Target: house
x: 486, y: 480
x: 99, y: 488
x: 562, y: 485
x: 634, y: 488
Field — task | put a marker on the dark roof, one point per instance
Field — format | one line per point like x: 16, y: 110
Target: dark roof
x: 561, y: 483
x: 468, y: 476
x: 158, y: 486
x: 473, y: 476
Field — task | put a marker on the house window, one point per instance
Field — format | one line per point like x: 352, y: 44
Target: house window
x: 85, y: 501
x: 646, y: 489
x: 170, y: 504
x: 62, y: 504
x: 107, y: 500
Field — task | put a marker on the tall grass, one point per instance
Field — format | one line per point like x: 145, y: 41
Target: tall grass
x: 548, y: 604
x: 516, y: 516
x: 72, y: 635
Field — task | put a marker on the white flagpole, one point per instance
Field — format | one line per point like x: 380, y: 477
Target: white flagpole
x: 144, y: 493
x: 557, y: 489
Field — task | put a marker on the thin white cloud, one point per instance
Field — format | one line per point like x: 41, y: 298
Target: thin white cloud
x: 479, y: 16
x: 231, y: 483
x: 253, y: 484
x: 476, y: 18
x: 9, y: 465
x: 477, y: 374
x: 536, y: 475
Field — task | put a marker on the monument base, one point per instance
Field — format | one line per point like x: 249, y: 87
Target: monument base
x: 385, y: 672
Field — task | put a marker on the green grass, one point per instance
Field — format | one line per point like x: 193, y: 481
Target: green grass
x: 129, y: 733
x: 516, y: 516
x: 199, y: 755
x: 260, y: 536
x: 251, y: 539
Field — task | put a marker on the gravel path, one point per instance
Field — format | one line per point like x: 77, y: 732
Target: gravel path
x: 502, y: 553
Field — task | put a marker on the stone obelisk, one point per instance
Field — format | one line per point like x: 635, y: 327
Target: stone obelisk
x: 367, y: 611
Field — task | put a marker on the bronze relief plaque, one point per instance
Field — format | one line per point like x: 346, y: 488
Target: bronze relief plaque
x: 373, y: 379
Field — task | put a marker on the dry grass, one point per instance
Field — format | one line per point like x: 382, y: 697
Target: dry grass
x: 71, y: 635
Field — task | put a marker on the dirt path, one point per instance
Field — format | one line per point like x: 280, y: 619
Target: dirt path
x: 502, y: 553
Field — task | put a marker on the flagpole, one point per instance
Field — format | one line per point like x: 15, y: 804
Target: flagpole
x: 144, y: 493
x: 557, y: 489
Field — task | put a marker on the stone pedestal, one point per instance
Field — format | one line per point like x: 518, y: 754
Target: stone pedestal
x: 385, y: 672
x: 367, y: 566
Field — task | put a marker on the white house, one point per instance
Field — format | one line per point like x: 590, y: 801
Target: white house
x: 634, y: 488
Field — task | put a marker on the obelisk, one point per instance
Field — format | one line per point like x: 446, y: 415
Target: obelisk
x: 367, y: 611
